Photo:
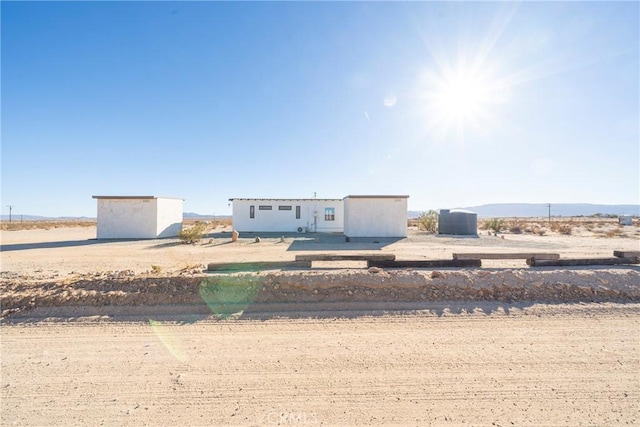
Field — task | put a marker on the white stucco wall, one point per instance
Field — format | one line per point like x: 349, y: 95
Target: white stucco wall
x: 375, y: 216
x: 312, y: 215
x: 169, y: 216
x: 138, y: 218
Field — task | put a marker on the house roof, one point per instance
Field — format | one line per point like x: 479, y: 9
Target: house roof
x: 284, y: 200
x: 135, y: 197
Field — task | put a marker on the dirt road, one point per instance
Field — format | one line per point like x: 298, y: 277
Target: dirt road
x: 573, y: 364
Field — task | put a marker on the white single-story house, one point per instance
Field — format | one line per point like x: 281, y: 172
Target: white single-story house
x: 288, y: 215
x: 138, y: 217
x: 375, y: 216
x: 355, y: 216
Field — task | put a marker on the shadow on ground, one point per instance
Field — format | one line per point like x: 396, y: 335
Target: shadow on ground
x: 338, y: 242
x: 60, y: 244
x: 201, y: 312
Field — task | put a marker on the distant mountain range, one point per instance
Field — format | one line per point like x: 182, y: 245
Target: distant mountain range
x: 191, y: 215
x: 186, y: 215
x: 483, y: 211
x: 541, y: 209
x: 19, y: 217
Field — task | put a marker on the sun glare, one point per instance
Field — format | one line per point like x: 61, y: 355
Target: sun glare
x: 460, y: 101
x: 465, y: 88
x: 460, y: 98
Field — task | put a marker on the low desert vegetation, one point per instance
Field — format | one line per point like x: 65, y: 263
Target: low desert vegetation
x: 211, y: 224
x: 599, y: 226
x: 494, y: 224
x: 44, y: 225
x: 193, y: 233
x: 428, y: 221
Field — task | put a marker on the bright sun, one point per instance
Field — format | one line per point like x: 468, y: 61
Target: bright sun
x: 462, y: 100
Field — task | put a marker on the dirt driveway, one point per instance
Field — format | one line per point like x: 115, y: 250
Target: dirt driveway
x: 537, y: 365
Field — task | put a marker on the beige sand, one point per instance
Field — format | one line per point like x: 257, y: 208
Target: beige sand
x: 61, y: 252
x: 540, y: 365
x: 350, y: 360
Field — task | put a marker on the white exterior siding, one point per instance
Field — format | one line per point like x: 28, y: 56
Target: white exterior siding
x: 169, y: 217
x: 375, y: 216
x: 144, y: 217
x: 282, y: 215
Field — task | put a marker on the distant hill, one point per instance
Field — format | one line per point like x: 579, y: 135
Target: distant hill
x: 186, y: 215
x: 192, y: 215
x: 541, y: 209
x: 19, y: 217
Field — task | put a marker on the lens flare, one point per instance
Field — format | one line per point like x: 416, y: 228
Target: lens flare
x: 229, y: 295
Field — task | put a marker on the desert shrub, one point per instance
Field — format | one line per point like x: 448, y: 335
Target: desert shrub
x: 192, y: 234
x: 565, y: 229
x: 494, y: 224
x: 428, y: 221
x: 540, y: 231
x: 156, y: 269
x: 562, y: 227
x: 515, y: 226
x: 615, y: 232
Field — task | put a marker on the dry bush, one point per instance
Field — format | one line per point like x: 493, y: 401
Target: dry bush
x: 193, y: 233
x: 614, y: 232
x: 540, y: 231
x: 494, y: 224
x: 562, y: 226
x: 428, y: 221
x: 515, y: 226
x: 566, y: 229
x: 211, y: 223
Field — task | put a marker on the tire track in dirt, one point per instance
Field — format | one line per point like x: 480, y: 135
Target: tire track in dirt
x: 538, y: 365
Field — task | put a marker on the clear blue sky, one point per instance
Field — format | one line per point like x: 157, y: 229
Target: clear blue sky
x: 455, y: 104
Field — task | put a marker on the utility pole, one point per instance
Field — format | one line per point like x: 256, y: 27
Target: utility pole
x: 10, y: 207
x: 549, y: 206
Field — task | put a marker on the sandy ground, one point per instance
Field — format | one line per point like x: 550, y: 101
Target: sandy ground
x: 537, y: 365
x: 61, y: 252
x: 94, y: 338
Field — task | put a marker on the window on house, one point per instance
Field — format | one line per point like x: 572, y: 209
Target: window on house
x: 297, y: 212
x: 264, y: 207
x: 329, y: 214
x: 284, y: 208
x: 252, y: 211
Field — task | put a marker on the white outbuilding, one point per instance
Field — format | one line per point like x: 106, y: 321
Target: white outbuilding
x: 138, y: 217
x: 288, y: 215
x: 625, y: 220
x: 375, y: 216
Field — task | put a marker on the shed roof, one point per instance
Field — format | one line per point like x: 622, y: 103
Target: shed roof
x: 135, y: 197
x: 282, y: 200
